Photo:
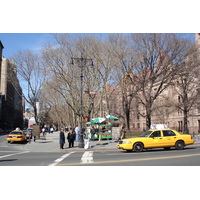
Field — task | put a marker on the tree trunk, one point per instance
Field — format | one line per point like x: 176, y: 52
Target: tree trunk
x: 185, y: 122
x: 148, y: 117
x: 127, y: 120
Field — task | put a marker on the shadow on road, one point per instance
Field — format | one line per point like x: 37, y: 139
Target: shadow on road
x: 45, y: 142
x: 159, y: 149
x: 7, y: 160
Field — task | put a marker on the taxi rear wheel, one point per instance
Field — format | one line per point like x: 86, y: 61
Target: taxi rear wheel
x: 179, y: 145
x: 138, y: 147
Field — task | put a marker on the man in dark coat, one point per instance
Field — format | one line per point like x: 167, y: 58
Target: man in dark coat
x: 62, y: 138
x: 92, y: 131
x: 71, y: 137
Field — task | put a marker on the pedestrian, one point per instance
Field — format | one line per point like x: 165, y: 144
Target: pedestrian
x: 43, y: 131
x: 103, y: 129
x: 77, y: 130
x: 51, y: 129
x: 62, y: 138
x: 92, y: 131
x: 122, y: 132
x: 71, y: 137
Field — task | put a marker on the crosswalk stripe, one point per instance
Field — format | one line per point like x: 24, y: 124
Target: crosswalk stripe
x: 14, y: 154
x: 87, y: 157
x: 60, y: 159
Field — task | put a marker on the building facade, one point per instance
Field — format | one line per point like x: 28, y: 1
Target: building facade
x: 1, y: 96
x: 11, y: 95
x: 165, y: 110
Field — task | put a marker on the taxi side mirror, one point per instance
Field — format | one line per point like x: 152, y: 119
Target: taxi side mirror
x: 151, y: 136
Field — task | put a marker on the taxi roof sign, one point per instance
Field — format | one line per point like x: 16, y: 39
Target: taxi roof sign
x: 159, y: 126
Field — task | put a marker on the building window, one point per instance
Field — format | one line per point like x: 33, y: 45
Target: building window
x: 179, y: 99
x: 180, y: 126
x: 138, y: 125
x: 144, y: 126
x: 198, y: 108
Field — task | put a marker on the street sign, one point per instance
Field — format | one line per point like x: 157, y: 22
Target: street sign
x: 36, y: 130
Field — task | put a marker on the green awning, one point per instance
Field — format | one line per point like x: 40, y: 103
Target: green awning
x: 111, y: 117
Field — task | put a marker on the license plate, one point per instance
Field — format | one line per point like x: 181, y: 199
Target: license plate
x: 14, y: 136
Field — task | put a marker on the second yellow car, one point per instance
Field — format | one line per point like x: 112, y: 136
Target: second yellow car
x: 16, y: 136
x: 163, y: 138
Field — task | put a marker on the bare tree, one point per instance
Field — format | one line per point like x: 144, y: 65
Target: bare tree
x: 187, y: 85
x: 29, y: 69
x: 123, y: 50
x: 64, y: 78
x: 158, y: 57
x: 101, y: 74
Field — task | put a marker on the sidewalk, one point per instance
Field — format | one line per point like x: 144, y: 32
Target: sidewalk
x: 51, y: 144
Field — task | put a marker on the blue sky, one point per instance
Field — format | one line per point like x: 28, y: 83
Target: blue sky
x: 14, y: 42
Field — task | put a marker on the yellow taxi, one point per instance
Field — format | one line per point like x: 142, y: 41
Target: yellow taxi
x: 16, y: 136
x: 159, y: 138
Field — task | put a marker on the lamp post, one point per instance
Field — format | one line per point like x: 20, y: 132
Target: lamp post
x: 81, y: 62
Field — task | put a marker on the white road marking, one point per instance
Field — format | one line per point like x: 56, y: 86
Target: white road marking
x: 9, y: 151
x: 60, y: 159
x: 87, y: 157
x: 14, y: 154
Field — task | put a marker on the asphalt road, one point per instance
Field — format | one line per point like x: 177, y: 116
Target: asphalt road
x: 15, y: 154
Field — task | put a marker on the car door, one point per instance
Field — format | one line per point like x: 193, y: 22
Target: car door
x: 155, y: 139
x: 169, y: 137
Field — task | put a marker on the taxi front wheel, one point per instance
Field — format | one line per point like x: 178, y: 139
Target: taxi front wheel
x: 138, y: 147
x: 179, y: 145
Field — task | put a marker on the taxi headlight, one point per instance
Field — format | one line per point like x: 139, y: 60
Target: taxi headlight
x: 127, y: 142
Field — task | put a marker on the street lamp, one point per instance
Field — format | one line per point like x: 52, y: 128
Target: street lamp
x: 81, y: 62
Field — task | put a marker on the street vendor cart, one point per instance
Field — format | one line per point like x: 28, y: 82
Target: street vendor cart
x: 106, y: 135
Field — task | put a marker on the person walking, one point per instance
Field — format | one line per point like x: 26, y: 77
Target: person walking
x: 51, y: 130
x: 71, y: 137
x: 43, y: 132
x: 62, y: 138
x: 77, y: 130
x: 92, y: 131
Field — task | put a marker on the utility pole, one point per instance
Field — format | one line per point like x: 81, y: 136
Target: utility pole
x: 81, y: 62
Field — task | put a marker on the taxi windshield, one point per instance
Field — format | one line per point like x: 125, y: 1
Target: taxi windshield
x: 145, y: 134
x: 16, y: 133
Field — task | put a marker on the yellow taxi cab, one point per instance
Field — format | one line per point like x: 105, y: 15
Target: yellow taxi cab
x: 158, y: 138
x: 16, y: 136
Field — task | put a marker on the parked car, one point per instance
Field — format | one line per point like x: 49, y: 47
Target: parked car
x: 16, y: 136
x: 28, y: 134
x: 159, y: 138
